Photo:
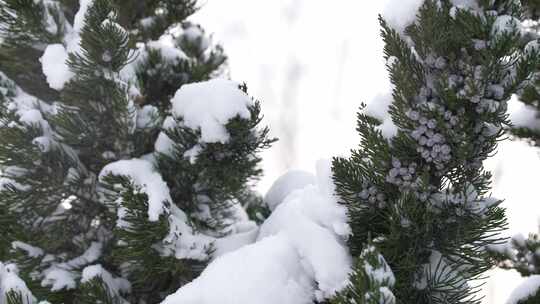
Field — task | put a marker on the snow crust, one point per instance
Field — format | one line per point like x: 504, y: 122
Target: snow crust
x: 299, y: 256
x: 208, y: 106
x: 143, y: 174
x: 526, y: 289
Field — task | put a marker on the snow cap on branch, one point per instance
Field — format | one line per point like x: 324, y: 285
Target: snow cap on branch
x: 209, y: 106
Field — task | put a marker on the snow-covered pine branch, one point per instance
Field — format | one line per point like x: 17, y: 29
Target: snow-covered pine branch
x: 94, y: 210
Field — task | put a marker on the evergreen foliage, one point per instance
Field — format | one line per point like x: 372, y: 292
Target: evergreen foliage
x: 370, y: 280
x: 81, y: 235
x: 520, y: 253
x: 423, y: 194
x: 530, y: 94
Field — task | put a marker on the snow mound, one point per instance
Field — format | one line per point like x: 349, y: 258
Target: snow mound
x: 300, y: 255
x: 209, y: 105
x: 528, y: 288
x: 264, y: 272
x: 285, y: 185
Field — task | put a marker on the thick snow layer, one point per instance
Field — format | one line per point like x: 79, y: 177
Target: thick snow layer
x: 244, y: 233
x: 9, y: 281
x: 300, y: 255
x: 209, y: 105
x: 399, y: 14
x: 268, y: 271
x: 53, y: 63
x: 285, y: 185
x: 143, y: 174
x: 528, y: 288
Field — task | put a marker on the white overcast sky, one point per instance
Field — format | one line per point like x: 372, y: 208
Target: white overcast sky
x: 311, y: 63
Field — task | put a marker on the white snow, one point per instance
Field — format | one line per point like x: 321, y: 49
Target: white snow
x: 526, y: 289
x: 30, y: 250
x: 244, y: 233
x: 268, y: 271
x: 146, y: 116
x: 50, y: 23
x: 59, y: 279
x: 400, y: 14
x: 164, y: 144
x: 143, y: 174
x: 382, y: 274
x: 505, y: 24
x: 78, y: 22
x: 43, y: 143
x: 464, y: 4
x: 209, y: 105
x: 53, y: 63
x: 9, y: 281
x: 378, y: 108
x: 116, y: 285
x: 532, y: 46
x: 285, y: 185
x: 64, y: 275
x: 300, y: 255
x: 54, y: 59
x: 165, y: 44
x: 194, y: 34
x: 522, y: 115
x: 192, y: 153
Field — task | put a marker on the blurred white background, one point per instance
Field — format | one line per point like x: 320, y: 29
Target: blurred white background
x: 311, y: 63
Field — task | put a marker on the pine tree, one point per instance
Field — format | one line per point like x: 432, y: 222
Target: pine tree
x: 370, y: 281
x: 523, y: 255
x: 423, y: 193
x: 520, y: 253
x: 112, y: 189
x: 530, y: 94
